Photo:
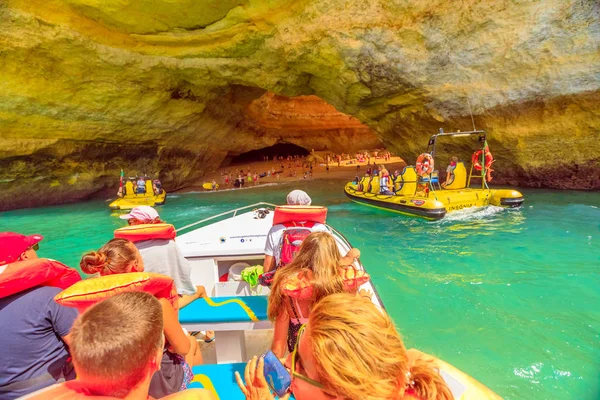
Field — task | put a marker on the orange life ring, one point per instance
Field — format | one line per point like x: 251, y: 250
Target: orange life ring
x: 476, y: 159
x: 137, y: 233
x: 23, y: 275
x: 424, y: 164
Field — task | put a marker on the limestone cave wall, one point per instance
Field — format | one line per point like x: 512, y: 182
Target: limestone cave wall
x: 170, y: 88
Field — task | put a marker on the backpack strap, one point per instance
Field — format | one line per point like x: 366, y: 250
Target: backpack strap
x: 292, y: 224
x: 293, y: 308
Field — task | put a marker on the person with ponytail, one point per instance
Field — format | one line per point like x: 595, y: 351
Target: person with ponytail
x: 350, y: 350
x: 120, y: 256
x: 320, y: 258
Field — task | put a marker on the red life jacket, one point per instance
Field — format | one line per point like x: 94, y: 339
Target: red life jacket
x: 298, y: 222
x: 137, y: 233
x: 23, y: 275
x: 291, y: 239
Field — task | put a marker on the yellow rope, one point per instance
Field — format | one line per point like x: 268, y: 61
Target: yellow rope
x: 206, y: 384
x: 244, y: 306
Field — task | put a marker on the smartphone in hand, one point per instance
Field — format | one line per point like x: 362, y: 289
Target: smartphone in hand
x: 276, y: 375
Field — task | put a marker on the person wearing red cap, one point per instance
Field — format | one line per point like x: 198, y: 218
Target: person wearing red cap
x: 34, y: 328
x: 17, y: 247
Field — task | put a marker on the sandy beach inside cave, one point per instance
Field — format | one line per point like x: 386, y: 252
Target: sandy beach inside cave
x: 346, y: 170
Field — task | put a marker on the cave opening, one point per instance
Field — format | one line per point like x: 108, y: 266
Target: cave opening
x: 278, y: 149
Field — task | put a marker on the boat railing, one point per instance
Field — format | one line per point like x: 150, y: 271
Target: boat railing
x: 232, y: 212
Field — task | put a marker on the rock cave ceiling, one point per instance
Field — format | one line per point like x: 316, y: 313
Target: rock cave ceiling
x: 173, y: 87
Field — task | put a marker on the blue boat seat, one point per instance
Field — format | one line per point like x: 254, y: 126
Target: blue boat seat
x: 224, y: 310
x: 220, y: 380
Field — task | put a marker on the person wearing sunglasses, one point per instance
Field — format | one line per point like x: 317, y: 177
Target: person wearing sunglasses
x: 18, y: 247
x: 34, y: 328
x: 350, y: 350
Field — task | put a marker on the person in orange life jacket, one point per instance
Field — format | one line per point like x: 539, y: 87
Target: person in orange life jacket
x: 163, y: 256
x: 320, y: 255
x: 117, y: 347
x: 120, y: 256
x: 34, y: 328
x: 350, y: 350
x: 450, y: 170
x: 272, y: 245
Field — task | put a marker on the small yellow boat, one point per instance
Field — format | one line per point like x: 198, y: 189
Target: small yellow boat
x: 208, y: 186
x: 153, y: 195
x: 417, y: 191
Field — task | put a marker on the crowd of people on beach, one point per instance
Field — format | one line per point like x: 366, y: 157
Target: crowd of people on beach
x: 296, y: 166
x: 339, y: 344
x: 361, y: 157
x: 291, y: 167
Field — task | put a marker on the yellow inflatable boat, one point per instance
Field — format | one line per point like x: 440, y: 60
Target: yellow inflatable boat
x: 131, y: 198
x: 417, y: 190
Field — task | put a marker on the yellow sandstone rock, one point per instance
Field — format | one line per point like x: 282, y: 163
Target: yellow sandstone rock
x: 172, y: 87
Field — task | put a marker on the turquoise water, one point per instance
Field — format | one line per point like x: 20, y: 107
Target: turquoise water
x: 512, y: 297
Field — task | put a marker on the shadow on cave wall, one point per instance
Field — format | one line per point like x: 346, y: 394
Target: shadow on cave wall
x: 278, y: 149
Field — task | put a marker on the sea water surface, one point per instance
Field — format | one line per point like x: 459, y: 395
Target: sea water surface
x: 511, y: 297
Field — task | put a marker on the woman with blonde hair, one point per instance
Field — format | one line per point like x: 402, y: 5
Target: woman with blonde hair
x: 317, y: 262
x: 120, y: 256
x: 350, y: 350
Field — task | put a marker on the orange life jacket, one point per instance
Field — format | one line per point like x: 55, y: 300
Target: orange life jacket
x: 23, y: 275
x: 91, y: 291
x: 137, y: 233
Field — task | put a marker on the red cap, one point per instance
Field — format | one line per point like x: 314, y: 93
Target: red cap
x: 12, y: 245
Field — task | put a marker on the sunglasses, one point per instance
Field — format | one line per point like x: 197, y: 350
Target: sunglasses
x: 35, y: 247
x: 296, y: 358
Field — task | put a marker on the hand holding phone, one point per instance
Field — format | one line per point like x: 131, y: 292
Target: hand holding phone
x: 277, y: 376
x: 255, y: 387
